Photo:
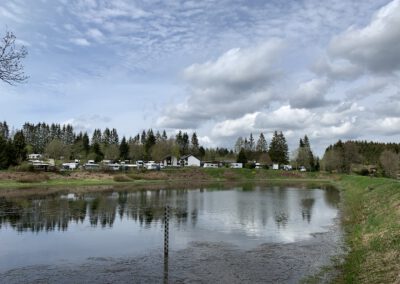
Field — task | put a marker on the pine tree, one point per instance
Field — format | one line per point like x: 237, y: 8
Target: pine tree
x: 106, y: 137
x: 241, y: 158
x: 195, y: 144
x: 239, y: 145
x: 262, y: 145
x: 278, y: 149
x: 114, y: 139
x: 96, y: 137
x: 164, y: 135
x: 251, y: 142
x: 19, y: 146
x: 4, y: 130
x: 143, y: 138
x: 124, y: 149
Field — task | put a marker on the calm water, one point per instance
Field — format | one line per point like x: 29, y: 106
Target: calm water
x: 72, y: 228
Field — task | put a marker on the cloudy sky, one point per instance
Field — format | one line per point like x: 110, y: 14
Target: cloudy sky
x: 329, y: 69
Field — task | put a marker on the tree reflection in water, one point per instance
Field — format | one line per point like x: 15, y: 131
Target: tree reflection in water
x: 57, y: 211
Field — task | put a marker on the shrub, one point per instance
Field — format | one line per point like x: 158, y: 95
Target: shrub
x: 33, y: 178
x: 24, y: 167
x: 121, y: 178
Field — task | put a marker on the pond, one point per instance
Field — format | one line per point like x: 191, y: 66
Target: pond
x: 229, y: 234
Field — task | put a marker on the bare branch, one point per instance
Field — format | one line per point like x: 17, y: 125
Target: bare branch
x: 11, y: 68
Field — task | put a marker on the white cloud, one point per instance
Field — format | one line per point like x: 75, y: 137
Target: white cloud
x: 374, y: 47
x: 80, y: 41
x: 95, y: 34
x: 284, y: 118
x: 311, y: 94
x: 238, y: 82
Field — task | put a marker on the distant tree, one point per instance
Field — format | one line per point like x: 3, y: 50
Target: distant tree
x: 194, y: 149
x: 57, y: 149
x: 278, y: 149
x: 251, y: 142
x: 262, y: 145
x: 164, y: 135
x: 304, y: 155
x: 96, y: 137
x: 264, y: 159
x: 4, y: 130
x: 241, y: 158
x: 239, y: 145
x: 19, y: 146
x: 114, y: 138
x: 96, y: 154
x: 143, y: 138
x: 111, y: 152
x: 163, y: 149
x: 389, y: 161
x: 106, y: 137
x: 124, y: 149
x: 150, y: 142
x: 136, y: 151
x: 11, y: 68
x: 4, y: 160
x: 202, y: 152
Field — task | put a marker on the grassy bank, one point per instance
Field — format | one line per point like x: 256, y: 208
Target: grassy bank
x: 10, y: 180
x: 371, y: 219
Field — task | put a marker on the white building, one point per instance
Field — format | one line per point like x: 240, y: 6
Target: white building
x: 70, y: 166
x: 32, y: 157
x: 210, y: 165
x: 275, y: 166
x: 189, y: 161
x: 236, y: 165
x: 170, y: 161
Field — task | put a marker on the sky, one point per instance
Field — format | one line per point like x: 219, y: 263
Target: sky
x: 327, y: 69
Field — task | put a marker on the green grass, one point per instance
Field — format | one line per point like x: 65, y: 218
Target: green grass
x: 371, y: 218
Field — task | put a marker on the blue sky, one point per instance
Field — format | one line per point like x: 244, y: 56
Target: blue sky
x: 329, y: 69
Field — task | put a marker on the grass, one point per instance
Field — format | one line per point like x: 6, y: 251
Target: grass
x: 371, y: 219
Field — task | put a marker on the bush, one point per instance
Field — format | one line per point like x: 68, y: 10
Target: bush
x: 121, y: 178
x: 24, y: 167
x: 34, y: 178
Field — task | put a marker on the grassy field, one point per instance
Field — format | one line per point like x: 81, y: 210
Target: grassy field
x: 371, y: 219
x: 23, y: 180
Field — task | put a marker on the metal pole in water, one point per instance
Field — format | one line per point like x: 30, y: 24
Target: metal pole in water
x: 166, y: 242
x: 166, y: 231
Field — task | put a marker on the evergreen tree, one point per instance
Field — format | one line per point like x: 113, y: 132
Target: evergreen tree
x: 114, y: 139
x: 195, y: 144
x: 251, y: 143
x: 19, y: 146
x: 164, y: 135
x: 150, y: 142
x: 278, y: 149
x: 85, y: 143
x: 143, y: 138
x: 106, y: 137
x: 4, y: 130
x: 241, y: 158
x: 96, y: 137
x: 261, y: 146
x: 239, y: 145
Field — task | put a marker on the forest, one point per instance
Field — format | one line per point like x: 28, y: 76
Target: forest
x: 61, y: 142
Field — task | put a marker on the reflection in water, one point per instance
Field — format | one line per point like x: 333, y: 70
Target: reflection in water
x: 110, y: 223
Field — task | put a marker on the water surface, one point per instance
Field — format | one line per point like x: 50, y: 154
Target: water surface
x: 65, y: 229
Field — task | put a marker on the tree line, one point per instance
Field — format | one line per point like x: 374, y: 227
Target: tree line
x: 362, y: 157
